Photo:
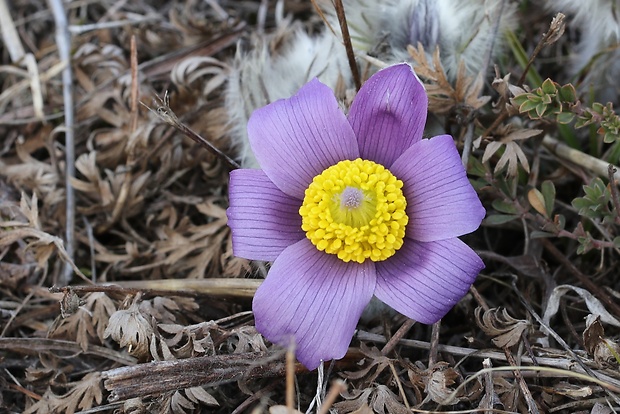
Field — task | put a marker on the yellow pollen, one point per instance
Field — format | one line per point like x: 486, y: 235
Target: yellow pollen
x: 356, y: 210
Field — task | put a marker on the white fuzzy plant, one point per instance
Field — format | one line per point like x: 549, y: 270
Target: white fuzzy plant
x: 598, y: 51
x: 278, y: 64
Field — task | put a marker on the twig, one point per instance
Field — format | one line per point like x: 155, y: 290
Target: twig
x: 19, y: 56
x: 72, y: 347
x: 404, y: 328
x: 488, y: 387
x: 290, y: 378
x: 467, y: 143
x: 154, y: 378
x: 597, y: 166
x: 63, y: 40
x: 225, y: 287
x: 346, y: 38
x: 121, y: 200
x: 434, y: 351
x: 83, y: 28
x: 469, y: 134
x: 336, y: 389
x: 615, y: 197
x: 587, y: 370
x: 531, y: 404
x: 596, y: 290
x: 556, y: 29
x: 165, y: 113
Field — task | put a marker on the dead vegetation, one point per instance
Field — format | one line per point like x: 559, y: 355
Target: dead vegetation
x: 153, y: 315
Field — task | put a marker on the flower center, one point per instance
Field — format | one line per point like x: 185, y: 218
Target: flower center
x: 356, y: 210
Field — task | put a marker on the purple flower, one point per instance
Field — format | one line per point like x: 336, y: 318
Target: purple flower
x: 351, y: 206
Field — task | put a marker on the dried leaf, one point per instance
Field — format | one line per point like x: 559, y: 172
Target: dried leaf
x: 82, y: 396
x: 130, y: 329
x: 87, y: 322
x: 605, y: 351
x: 594, y: 305
x: 497, y: 323
x: 439, y: 383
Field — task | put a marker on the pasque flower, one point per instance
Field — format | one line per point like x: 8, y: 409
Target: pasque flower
x: 351, y: 206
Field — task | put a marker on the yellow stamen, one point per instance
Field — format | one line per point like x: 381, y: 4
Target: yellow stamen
x: 356, y: 210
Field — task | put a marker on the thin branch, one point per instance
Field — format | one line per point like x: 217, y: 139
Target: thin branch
x: 615, y: 197
x: 556, y: 29
x: 164, y: 112
x: 346, y: 38
x: 63, y: 40
x: 589, y: 162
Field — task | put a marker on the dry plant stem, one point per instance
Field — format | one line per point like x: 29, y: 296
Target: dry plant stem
x: 168, y: 116
x: 18, y: 56
x: 21, y: 305
x: 501, y: 118
x: 402, y: 331
x: 596, y: 290
x: 587, y: 370
x: 399, y: 384
x: 225, y: 287
x: 586, y: 161
x: 63, y: 40
x: 434, y: 351
x: 319, y: 11
x: 290, y: 379
x: 469, y: 135
x: 488, y: 385
x: 479, y: 298
x: 162, y: 376
x: 542, y: 43
x: 255, y: 397
x: 346, y: 38
x: 469, y: 138
x: 30, y: 345
x: 80, y: 29
x: 338, y: 387
x: 531, y: 404
x: 567, y: 364
x: 615, y: 197
x: 583, y: 406
x: 131, y: 145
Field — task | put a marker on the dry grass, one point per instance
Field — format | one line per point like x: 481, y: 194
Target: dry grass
x: 155, y: 317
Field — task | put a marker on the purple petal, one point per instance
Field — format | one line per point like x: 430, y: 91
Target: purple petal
x: 264, y: 221
x: 441, y: 203
x: 425, y: 280
x: 296, y: 139
x: 389, y: 113
x: 314, y: 299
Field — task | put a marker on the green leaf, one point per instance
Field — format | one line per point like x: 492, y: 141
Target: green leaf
x: 548, y: 191
x: 540, y: 235
x: 610, y: 137
x: 548, y: 87
x: 540, y: 109
x: 568, y: 93
x: 528, y: 105
x: 497, y: 219
x: 475, y: 167
x: 617, y: 242
x: 504, y: 207
x: 564, y: 117
x: 521, y: 99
